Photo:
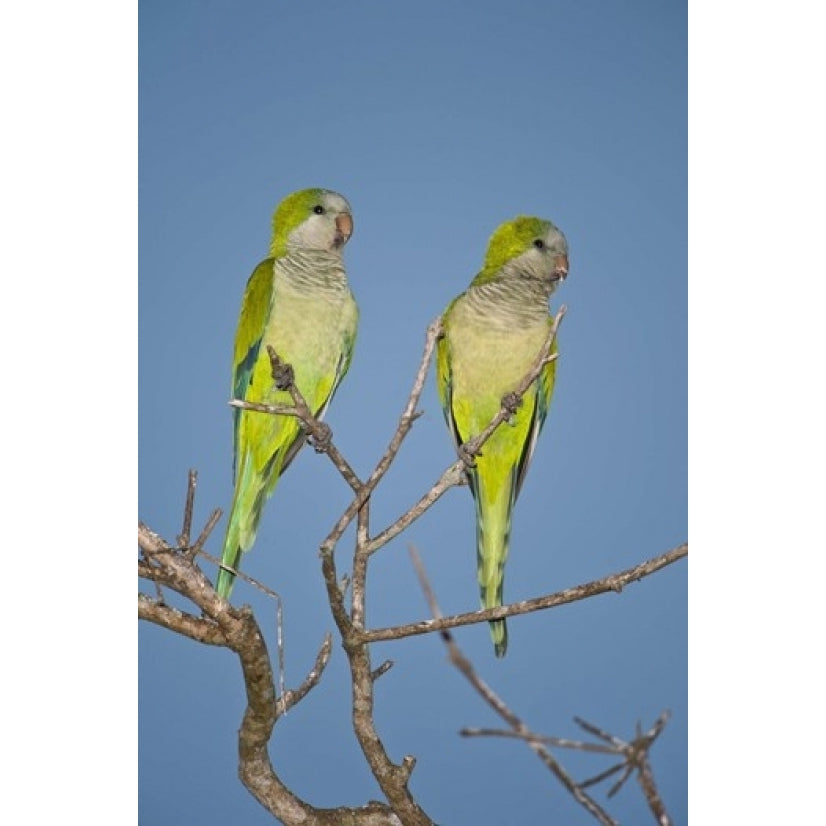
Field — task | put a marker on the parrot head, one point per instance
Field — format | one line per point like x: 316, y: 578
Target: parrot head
x: 311, y: 219
x: 526, y: 247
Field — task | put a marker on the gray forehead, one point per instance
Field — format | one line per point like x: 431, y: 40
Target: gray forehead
x: 335, y: 202
x: 555, y: 238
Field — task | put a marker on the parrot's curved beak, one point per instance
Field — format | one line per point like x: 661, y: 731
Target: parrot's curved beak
x: 560, y: 268
x: 344, y: 228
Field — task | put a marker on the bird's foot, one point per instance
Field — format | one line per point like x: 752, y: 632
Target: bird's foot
x: 282, y: 373
x: 322, y: 438
x: 284, y: 376
x: 468, y: 456
x: 511, y: 402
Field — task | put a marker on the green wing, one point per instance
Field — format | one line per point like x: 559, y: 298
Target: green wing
x: 255, y: 310
x: 541, y: 401
x: 444, y: 384
x: 444, y: 378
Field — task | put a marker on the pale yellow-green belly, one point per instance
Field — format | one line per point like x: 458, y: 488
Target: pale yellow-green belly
x: 488, y: 364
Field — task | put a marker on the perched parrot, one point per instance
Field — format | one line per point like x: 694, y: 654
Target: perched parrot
x: 299, y: 302
x: 492, y: 335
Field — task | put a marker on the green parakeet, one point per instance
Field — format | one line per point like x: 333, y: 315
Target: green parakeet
x: 298, y: 301
x: 492, y: 335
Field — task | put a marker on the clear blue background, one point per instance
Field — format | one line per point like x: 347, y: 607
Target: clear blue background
x: 437, y: 120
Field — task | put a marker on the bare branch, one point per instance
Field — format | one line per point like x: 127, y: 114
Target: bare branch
x: 195, y: 628
x: 408, y: 417
x: 391, y: 777
x: 358, y: 583
x: 560, y: 742
x: 382, y: 669
x: 634, y: 754
x: 452, y: 477
x: 316, y: 428
x: 635, y: 758
x: 183, y: 538
x: 319, y: 430
x: 466, y: 668
x: 272, y: 409
x: 294, y: 696
x: 238, y: 630
x: 204, y: 534
x: 612, y: 582
x: 222, y: 624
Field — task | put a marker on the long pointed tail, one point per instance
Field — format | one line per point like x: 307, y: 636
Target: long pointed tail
x: 226, y: 579
x: 242, y: 526
x: 493, y: 526
x: 231, y: 555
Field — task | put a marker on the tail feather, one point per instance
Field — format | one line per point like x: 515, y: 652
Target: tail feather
x: 492, y: 542
x: 251, y: 492
x: 224, y: 583
x: 234, y: 544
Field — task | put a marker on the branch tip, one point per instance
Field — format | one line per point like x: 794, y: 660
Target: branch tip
x: 382, y: 669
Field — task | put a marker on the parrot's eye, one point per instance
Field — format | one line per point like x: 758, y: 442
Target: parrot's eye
x: 539, y: 244
x: 318, y: 209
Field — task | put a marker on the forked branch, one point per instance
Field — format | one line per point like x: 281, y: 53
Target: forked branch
x: 219, y: 623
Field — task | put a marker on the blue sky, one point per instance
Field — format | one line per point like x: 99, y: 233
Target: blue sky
x: 437, y: 120
x: 86, y: 364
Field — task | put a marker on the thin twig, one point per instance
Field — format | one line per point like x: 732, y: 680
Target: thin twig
x: 635, y: 758
x: 382, y: 669
x: 358, y: 582
x: 290, y: 698
x: 197, y: 548
x: 559, y: 742
x: 222, y: 624
x: 612, y: 582
x: 272, y: 409
x: 492, y: 699
x: 160, y: 574
x: 314, y: 426
x: 196, y: 628
x: 408, y: 417
x: 274, y: 595
x: 452, y: 477
x: 192, y: 481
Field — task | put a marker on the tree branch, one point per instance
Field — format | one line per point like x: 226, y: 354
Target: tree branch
x: 237, y: 629
x: 635, y: 757
x: 408, y: 417
x: 612, y: 582
x: 466, y: 668
x: 221, y: 624
x: 187, y: 625
x: 282, y: 374
x: 392, y: 778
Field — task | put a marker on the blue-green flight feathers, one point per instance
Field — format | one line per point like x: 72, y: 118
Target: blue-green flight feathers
x: 492, y: 335
x: 299, y: 302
